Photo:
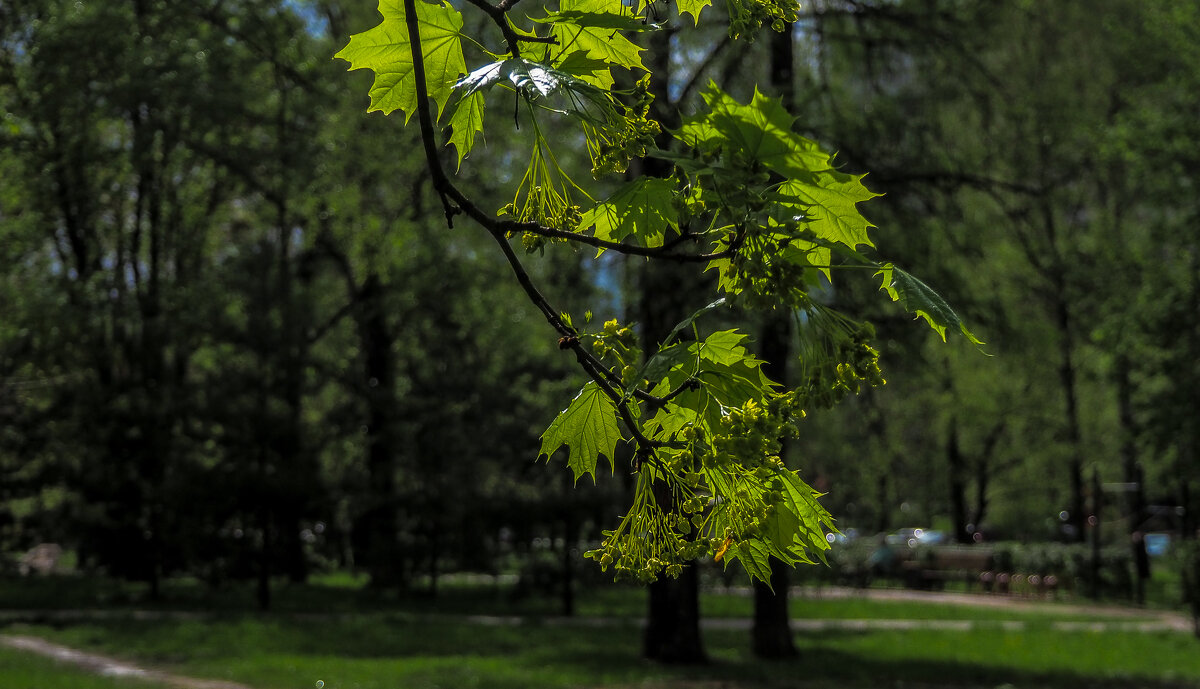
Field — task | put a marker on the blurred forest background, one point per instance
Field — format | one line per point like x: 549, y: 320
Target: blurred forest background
x: 238, y: 341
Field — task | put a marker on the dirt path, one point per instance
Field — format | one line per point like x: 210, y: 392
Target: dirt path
x: 110, y: 667
x: 1144, y: 625
x: 1173, y: 619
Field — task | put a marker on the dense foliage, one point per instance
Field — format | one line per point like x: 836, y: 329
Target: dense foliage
x: 744, y: 196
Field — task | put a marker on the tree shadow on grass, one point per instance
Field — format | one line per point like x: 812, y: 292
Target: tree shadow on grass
x: 840, y: 659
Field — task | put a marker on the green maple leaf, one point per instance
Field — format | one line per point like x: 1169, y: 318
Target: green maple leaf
x: 755, y: 557
x: 588, y: 427
x: 669, y: 420
x: 781, y: 527
x: 641, y: 208
x: 601, y: 43
x: 590, y: 18
x: 801, y: 500
x: 733, y: 384
x: 387, y: 51
x: 918, y: 298
x: 465, y: 122
x: 533, y: 78
x: 696, y: 132
x: 762, y: 131
x: 724, y: 348
x: 692, y: 7
x: 590, y: 69
x: 827, y: 200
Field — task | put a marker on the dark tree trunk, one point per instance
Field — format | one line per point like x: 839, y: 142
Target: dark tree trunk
x: 1077, y: 508
x: 673, y: 620
x: 979, y: 511
x: 673, y: 625
x: 568, y: 563
x: 1133, y: 475
x: 264, y: 560
x: 983, y: 475
x: 771, y: 635
x: 375, y: 532
x: 1097, y: 506
x: 957, y: 471
x: 673, y: 616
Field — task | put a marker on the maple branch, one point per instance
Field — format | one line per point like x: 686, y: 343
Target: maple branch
x: 499, y: 230
x: 449, y: 193
x: 659, y: 252
x: 512, y: 38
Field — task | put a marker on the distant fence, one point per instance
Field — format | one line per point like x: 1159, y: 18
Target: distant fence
x: 1002, y: 567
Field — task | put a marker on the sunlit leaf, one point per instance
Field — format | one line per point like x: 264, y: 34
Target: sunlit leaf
x: 641, y: 209
x: 589, y: 429
x: 918, y: 298
x: 465, y: 122
x: 387, y: 51
x: 601, y: 43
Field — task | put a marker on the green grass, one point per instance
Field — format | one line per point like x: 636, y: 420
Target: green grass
x: 21, y: 670
x: 417, y: 652
x: 336, y: 631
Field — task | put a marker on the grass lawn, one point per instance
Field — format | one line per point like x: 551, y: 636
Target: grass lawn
x: 320, y: 633
x: 21, y: 670
x: 420, y: 652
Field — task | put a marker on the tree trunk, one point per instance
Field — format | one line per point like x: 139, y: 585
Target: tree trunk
x: 264, y: 560
x: 673, y: 624
x: 673, y: 620
x: 956, y: 469
x: 375, y: 531
x: 771, y: 635
x: 1097, y: 504
x: 1077, y: 508
x: 568, y: 563
x: 673, y: 616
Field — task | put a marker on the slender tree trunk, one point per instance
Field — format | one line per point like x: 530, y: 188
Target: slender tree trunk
x: 1133, y: 475
x: 672, y: 632
x: 264, y: 559
x: 375, y: 533
x: 1073, y: 437
x: 568, y: 563
x: 979, y: 511
x: 956, y: 468
x: 1097, y: 505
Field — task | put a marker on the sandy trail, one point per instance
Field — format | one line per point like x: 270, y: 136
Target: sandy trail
x: 110, y: 667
